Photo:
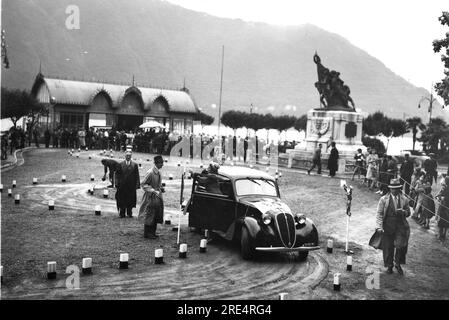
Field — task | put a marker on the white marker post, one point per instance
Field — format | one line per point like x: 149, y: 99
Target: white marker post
x: 179, y: 213
x: 349, y: 263
x: 51, y: 270
x: 9, y: 193
x: 203, y: 245
x: 17, y: 199
x: 92, y: 177
x: 34, y: 181
x: 330, y: 246
x: 105, y: 193
x: 124, y: 257
x: 98, y: 210
x: 1, y: 188
x: 170, y: 177
x: 337, y: 282
x: 63, y: 178
x: 158, y: 256
x: 14, y: 183
x: 167, y: 219
x: 87, y: 266
x: 1, y: 274
x: 283, y: 296
x: 183, y: 250
x: 51, y: 205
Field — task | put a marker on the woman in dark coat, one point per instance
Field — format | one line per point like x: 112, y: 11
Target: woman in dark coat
x: 443, y: 209
x: 332, y: 163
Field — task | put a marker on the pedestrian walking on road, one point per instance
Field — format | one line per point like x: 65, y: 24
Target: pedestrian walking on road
x: 359, y: 159
x: 430, y: 166
x: 427, y: 207
x: 406, y: 172
x: 152, y: 208
x: 372, y: 168
x: 128, y: 181
x: 332, y: 163
x: 391, y: 219
x: 443, y: 209
x: 316, y: 160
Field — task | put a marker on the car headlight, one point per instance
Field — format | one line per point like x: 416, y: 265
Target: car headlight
x: 300, y: 219
x: 266, y: 218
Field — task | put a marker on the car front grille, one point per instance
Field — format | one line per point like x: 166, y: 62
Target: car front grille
x: 286, y: 228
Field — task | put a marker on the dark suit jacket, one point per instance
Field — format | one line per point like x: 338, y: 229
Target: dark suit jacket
x: 128, y: 181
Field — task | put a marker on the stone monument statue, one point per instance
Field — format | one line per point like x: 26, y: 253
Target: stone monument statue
x: 336, y: 121
x: 334, y: 94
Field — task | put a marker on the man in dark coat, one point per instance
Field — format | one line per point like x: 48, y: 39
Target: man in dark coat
x: 392, y: 213
x: 112, y: 166
x: 128, y: 181
x: 406, y: 172
x: 332, y: 163
x: 430, y: 166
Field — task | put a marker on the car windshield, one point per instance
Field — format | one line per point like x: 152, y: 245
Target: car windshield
x: 253, y: 186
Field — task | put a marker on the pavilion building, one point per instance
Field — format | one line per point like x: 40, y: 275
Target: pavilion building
x: 75, y: 104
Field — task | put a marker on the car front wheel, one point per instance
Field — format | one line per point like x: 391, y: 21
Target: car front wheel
x: 247, y: 249
x: 303, y: 255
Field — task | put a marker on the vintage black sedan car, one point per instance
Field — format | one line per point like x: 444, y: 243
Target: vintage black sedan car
x: 244, y: 205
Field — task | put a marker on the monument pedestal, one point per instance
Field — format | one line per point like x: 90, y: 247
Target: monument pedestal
x: 325, y: 126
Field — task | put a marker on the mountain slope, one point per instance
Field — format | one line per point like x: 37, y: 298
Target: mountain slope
x: 161, y: 44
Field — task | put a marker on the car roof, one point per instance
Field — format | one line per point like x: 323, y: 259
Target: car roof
x: 236, y: 172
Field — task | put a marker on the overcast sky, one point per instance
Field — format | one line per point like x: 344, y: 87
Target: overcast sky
x: 397, y: 32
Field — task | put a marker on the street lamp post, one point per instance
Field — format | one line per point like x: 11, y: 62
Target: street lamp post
x: 431, y: 100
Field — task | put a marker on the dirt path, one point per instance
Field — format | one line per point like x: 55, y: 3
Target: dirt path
x: 31, y: 236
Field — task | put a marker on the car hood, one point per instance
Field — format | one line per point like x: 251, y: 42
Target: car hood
x: 267, y: 204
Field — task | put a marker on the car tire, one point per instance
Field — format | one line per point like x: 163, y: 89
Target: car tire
x: 303, y: 255
x: 246, y: 248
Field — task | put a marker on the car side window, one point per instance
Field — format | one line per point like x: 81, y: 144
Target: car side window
x: 214, y: 184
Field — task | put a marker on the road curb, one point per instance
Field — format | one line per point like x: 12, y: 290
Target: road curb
x: 14, y: 163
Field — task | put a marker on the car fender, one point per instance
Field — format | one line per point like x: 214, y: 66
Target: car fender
x: 252, y: 225
x: 309, y: 231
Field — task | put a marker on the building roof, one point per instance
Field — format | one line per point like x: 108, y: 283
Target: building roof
x: 83, y: 93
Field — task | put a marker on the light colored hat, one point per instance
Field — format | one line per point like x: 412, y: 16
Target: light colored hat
x: 395, y: 184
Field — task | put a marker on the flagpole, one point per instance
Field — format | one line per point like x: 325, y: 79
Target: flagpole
x: 219, y: 104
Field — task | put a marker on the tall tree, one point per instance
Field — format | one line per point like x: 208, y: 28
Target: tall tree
x: 283, y: 123
x: 442, y: 88
x: 233, y: 119
x: 17, y: 104
x: 415, y: 124
x: 204, y: 118
x: 301, y: 123
x: 435, y: 136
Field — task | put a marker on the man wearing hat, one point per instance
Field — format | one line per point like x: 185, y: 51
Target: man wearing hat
x: 430, y: 166
x: 152, y: 207
x: 392, y: 213
x: 127, y: 182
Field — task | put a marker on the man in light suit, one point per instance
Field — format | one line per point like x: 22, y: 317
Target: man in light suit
x: 392, y: 213
x: 127, y: 182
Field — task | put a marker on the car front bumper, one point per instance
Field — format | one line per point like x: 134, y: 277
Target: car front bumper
x: 283, y: 249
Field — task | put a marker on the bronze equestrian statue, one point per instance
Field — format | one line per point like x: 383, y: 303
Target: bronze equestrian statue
x: 334, y: 94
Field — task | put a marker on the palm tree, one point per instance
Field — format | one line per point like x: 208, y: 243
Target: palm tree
x: 414, y: 124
